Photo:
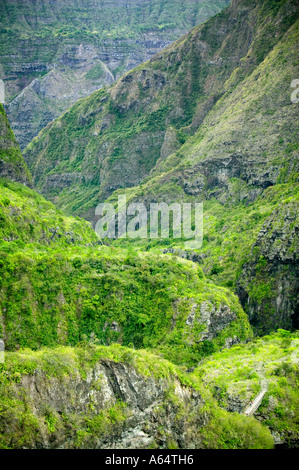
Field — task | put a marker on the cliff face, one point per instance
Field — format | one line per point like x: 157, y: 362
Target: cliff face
x: 55, y: 53
x: 208, y: 119
x: 12, y: 163
x: 69, y: 287
x: 269, y: 281
x: 143, y: 416
x: 113, y: 398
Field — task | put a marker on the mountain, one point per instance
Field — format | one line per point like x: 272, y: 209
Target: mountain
x: 54, y: 53
x: 59, y: 283
x: 208, y: 119
x: 115, y: 137
x: 147, y: 343
x: 62, y: 289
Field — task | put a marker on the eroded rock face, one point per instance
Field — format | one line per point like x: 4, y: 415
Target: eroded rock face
x: 77, y: 72
x: 268, y: 285
x: 63, y: 60
x: 12, y: 164
x: 146, y: 410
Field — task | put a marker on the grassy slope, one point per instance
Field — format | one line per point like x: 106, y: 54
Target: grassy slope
x: 56, y: 286
x: 255, y: 119
x: 257, y: 123
x: 41, y: 306
x: 238, y: 373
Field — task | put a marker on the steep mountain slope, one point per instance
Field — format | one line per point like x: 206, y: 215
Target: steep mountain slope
x: 247, y: 143
x: 12, y: 163
x: 57, y: 286
x: 208, y: 119
x: 236, y: 376
x: 115, y: 137
x: 53, y: 53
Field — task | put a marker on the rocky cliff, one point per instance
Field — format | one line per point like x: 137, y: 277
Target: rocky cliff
x: 55, y: 53
x: 113, y: 398
x: 208, y: 119
x: 269, y: 280
x: 12, y: 163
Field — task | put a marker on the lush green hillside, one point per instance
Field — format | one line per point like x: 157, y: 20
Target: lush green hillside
x: 243, y: 162
x: 89, y: 329
x: 54, y: 53
x: 208, y: 119
x: 27, y: 218
x: 53, y: 297
x: 235, y: 377
x: 58, y: 285
x: 138, y: 401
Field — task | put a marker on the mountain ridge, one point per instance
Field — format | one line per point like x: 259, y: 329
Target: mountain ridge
x: 115, y: 137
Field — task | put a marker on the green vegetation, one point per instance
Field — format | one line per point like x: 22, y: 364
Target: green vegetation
x: 59, y: 285
x: 63, y: 368
x: 238, y: 373
x: 50, y: 296
x: 12, y: 163
x: 92, y: 326
x: 27, y: 218
x: 230, y: 231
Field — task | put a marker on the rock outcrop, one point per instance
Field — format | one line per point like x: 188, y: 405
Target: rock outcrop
x: 113, y: 398
x: 268, y: 285
x: 12, y: 163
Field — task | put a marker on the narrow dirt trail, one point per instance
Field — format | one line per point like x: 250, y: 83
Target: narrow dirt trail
x: 255, y: 404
